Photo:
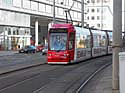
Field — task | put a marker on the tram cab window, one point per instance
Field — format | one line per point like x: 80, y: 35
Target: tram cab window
x: 58, y: 41
x: 71, y: 41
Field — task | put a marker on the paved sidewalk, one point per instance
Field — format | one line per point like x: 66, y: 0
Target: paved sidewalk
x: 101, y: 83
x: 6, y: 53
x: 11, y: 61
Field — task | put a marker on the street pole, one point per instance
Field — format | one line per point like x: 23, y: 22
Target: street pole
x: 4, y: 39
x: 124, y: 17
x: 82, y: 13
x: 101, y: 14
x: 54, y: 19
x: 36, y: 32
x: 117, y: 38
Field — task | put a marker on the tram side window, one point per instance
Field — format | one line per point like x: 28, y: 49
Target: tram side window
x: 71, y: 41
x: 99, y: 40
x: 83, y: 41
x: 87, y: 41
x: 96, y: 40
x: 103, y: 41
x: 110, y: 38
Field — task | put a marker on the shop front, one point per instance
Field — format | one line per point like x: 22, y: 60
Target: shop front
x: 14, y: 38
x: 14, y: 30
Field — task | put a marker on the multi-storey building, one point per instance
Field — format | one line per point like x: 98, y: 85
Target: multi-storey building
x: 99, y: 14
x: 22, y: 20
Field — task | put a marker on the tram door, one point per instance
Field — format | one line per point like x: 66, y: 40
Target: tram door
x: 71, y: 45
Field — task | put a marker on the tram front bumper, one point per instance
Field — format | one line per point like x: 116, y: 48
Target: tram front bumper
x: 58, y: 60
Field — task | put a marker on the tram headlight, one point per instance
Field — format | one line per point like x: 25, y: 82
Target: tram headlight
x: 66, y: 55
x: 49, y: 54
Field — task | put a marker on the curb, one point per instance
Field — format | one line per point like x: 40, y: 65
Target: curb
x: 18, y: 68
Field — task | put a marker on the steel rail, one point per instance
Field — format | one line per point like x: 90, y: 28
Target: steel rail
x: 90, y: 77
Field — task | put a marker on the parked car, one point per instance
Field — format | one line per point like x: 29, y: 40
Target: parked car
x: 45, y: 50
x: 39, y: 48
x: 28, y: 49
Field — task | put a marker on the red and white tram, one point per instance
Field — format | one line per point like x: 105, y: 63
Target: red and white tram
x: 67, y: 43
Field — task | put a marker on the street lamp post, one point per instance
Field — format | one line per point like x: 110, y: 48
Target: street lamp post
x: 54, y: 18
x: 101, y: 14
x: 82, y: 13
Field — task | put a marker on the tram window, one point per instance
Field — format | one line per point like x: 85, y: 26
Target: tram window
x: 71, y: 41
x: 83, y: 41
x: 88, y: 41
x: 58, y: 41
x: 103, y: 41
x: 99, y: 40
x: 96, y: 40
x: 110, y: 38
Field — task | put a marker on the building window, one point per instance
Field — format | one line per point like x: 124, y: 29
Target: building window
x: 79, y: 15
x: 17, y: 3
x: 93, y: 10
x: 87, y: 10
x: 98, y: 25
x: 88, y: 1
x: 93, y: 1
x: 60, y: 12
x: 56, y: 10
x: 42, y: 7
x: 17, y: 31
x: 75, y: 15
x: 26, y: 4
x: 87, y: 17
x: 79, y: 5
x: 8, y: 2
x: 98, y: 1
x: 67, y: 2
x: 9, y: 31
x: 98, y: 10
x: 48, y: 9
x: 76, y: 5
x: 14, y: 33
x: 34, y: 5
x: 70, y: 2
x: 98, y: 17
x: 92, y: 17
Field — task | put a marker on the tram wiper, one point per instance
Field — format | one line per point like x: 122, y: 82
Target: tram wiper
x: 58, y: 50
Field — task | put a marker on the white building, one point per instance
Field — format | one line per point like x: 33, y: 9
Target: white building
x: 99, y: 14
x: 19, y: 19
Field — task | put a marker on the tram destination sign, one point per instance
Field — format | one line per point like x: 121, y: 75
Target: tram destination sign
x: 58, y: 30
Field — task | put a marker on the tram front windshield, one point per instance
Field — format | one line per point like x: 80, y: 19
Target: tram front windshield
x: 58, y: 41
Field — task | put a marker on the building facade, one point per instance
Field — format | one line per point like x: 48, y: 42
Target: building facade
x: 14, y: 30
x: 99, y: 14
x: 23, y: 20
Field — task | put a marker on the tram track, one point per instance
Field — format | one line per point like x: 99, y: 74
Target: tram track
x: 77, y: 86
x: 79, y: 90
x: 50, y: 74
x: 30, y: 77
x: 64, y: 79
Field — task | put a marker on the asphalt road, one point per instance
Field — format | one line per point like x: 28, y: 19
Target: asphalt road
x: 49, y: 78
